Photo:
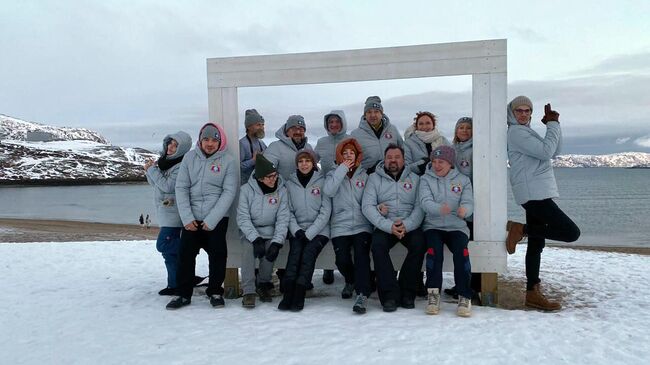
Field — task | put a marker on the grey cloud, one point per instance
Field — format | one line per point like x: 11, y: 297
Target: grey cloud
x: 622, y: 63
x: 528, y: 34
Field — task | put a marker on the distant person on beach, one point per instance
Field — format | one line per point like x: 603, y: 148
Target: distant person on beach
x: 263, y: 218
x: 447, y: 198
x: 141, y: 219
x: 375, y: 133
x: 251, y: 144
x: 162, y: 176
x: 420, y: 138
x: 206, y: 187
x: 147, y: 222
x: 533, y: 187
x: 336, y: 127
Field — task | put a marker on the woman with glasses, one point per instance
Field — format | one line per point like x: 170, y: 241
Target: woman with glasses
x: 263, y: 219
x: 533, y: 187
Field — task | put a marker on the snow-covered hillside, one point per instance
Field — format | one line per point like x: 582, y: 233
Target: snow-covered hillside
x: 625, y: 159
x: 74, y: 154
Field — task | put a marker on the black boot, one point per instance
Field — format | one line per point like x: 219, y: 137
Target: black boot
x: 328, y: 276
x: 298, y: 302
x: 287, y: 299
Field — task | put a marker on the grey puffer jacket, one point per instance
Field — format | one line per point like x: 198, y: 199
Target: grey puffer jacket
x: 464, y: 159
x: 310, y: 209
x: 263, y: 215
x: 164, y: 182
x: 399, y: 196
x: 282, y: 153
x: 346, y: 193
x: 206, y: 186
x: 247, y: 147
x: 373, y: 147
x: 455, y: 189
x: 531, y: 173
x: 326, y: 146
x: 415, y: 150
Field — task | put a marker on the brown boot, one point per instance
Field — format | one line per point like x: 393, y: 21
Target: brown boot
x: 515, y: 235
x: 535, y: 299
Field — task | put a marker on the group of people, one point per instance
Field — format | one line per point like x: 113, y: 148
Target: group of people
x: 364, y: 191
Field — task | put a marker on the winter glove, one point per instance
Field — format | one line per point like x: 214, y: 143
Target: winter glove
x: 550, y: 115
x: 273, y: 251
x: 321, y: 240
x: 300, y: 234
x: 259, y: 247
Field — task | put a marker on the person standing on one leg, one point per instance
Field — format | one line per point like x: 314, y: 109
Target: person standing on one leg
x: 447, y: 198
x: 533, y: 187
x: 350, y: 230
x: 390, y: 203
x: 309, y: 227
x: 205, y: 189
x: 162, y: 176
x: 263, y: 219
x: 336, y: 127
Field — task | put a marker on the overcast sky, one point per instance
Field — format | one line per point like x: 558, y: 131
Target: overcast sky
x: 136, y: 70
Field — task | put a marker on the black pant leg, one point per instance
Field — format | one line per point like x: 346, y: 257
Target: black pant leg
x: 534, y: 249
x: 387, y: 285
x: 457, y: 243
x: 217, y: 249
x: 551, y: 222
x: 293, y: 259
x: 409, y: 274
x: 189, y: 248
x: 308, y: 261
x: 343, y: 257
x: 362, y: 263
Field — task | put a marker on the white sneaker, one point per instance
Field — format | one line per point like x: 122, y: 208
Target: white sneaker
x: 433, y: 301
x: 464, y: 306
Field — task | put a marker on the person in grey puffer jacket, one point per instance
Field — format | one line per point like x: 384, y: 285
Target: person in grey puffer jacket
x: 391, y: 204
x: 291, y: 138
x: 350, y: 230
x: 447, y: 198
x: 336, y: 126
x: 205, y: 189
x: 162, y: 176
x: 420, y: 139
x: 263, y: 218
x: 309, y: 228
x: 375, y: 133
x: 533, y: 186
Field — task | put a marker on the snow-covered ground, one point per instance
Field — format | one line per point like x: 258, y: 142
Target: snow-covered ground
x: 86, y: 303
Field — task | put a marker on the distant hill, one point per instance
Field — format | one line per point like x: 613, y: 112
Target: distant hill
x: 64, y: 155
x: 624, y: 159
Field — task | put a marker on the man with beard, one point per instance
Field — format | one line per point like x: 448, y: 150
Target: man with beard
x: 375, y: 133
x: 251, y: 144
x: 291, y: 138
x: 391, y: 204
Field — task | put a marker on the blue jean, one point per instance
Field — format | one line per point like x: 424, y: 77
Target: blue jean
x: 457, y: 243
x: 168, y: 243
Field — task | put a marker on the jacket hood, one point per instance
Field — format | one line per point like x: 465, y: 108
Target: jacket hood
x: 184, y: 141
x: 379, y: 170
x: 363, y: 123
x: 450, y: 175
x: 224, y: 139
x: 344, y: 122
x: 279, y: 134
x: 512, y: 120
x: 464, y: 145
x: 357, y: 146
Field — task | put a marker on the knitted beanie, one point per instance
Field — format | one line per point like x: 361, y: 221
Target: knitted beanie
x: 252, y: 117
x: 263, y: 167
x: 521, y: 100
x: 210, y: 131
x: 445, y: 153
x: 373, y: 102
x: 295, y: 121
x: 309, y: 153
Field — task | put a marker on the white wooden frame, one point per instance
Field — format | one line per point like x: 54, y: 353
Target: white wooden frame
x: 484, y: 60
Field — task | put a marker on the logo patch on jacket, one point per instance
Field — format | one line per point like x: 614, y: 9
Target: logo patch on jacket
x: 456, y: 188
x: 273, y: 200
x: 215, y: 168
x: 408, y: 186
x: 388, y: 135
x: 315, y: 191
x: 360, y: 183
x: 464, y: 163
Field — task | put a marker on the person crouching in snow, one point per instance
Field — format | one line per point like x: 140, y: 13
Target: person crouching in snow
x: 205, y: 189
x: 309, y: 227
x: 447, y: 198
x: 162, y: 176
x: 263, y: 219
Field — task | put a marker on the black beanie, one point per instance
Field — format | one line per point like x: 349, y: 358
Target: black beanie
x: 263, y: 167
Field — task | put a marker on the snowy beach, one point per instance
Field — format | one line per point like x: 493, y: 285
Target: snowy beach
x: 96, y: 302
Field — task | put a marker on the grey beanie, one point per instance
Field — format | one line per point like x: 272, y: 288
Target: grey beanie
x: 462, y: 120
x: 445, y: 153
x: 252, y: 117
x: 295, y: 121
x: 210, y: 131
x: 521, y: 100
x: 263, y: 167
x: 311, y: 153
x: 373, y: 102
